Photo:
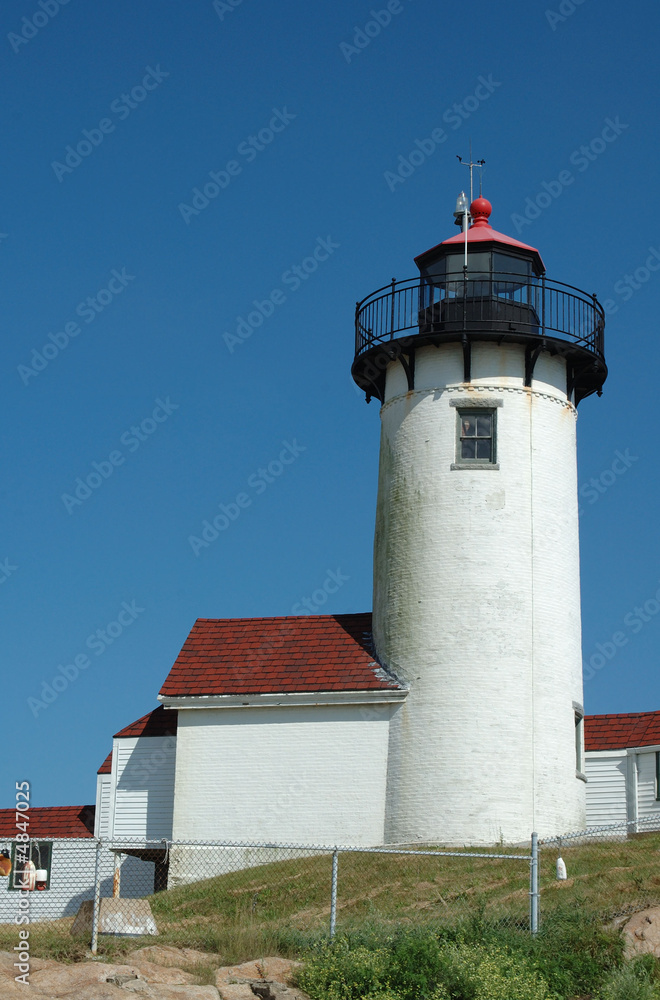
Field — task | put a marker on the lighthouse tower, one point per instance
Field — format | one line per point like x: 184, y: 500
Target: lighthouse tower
x: 479, y: 364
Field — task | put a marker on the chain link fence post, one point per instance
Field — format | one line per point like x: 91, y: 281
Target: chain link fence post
x: 534, y: 886
x: 333, y: 893
x: 97, y: 900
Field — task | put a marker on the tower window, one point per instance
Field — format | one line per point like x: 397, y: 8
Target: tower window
x: 475, y: 439
x: 477, y: 436
x: 579, y: 740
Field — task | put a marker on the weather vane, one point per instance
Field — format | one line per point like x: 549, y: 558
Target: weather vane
x: 472, y: 164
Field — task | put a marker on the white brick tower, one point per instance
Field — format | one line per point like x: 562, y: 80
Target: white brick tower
x: 479, y: 364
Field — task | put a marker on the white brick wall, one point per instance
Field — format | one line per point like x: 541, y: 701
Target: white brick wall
x: 307, y: 774
x: 476, y: 603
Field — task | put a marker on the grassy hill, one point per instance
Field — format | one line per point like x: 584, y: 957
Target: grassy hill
x: 606, y: 879
x: 284, y: 907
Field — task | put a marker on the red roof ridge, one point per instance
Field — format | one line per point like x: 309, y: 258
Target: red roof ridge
x: 272, y: 618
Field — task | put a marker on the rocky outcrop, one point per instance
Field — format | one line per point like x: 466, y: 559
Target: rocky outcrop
x: 642, y: 933
x: 263, y: 979
x: 156, y: 972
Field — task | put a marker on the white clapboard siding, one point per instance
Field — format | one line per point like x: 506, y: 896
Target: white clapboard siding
x: 143, y: 787
x: 103, y: 795
x: 647, y: 804
x: 72, y: 881
x: 72, y: 877
x: 606, y: 788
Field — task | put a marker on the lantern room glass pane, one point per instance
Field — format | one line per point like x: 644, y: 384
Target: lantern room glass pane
x: 511, y: 265
x: 479, y: 266
x: 515, y: 275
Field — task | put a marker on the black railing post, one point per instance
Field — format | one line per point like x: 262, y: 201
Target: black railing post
x: 596, y: 323
x: 392, y: 311
x: 543, y: 304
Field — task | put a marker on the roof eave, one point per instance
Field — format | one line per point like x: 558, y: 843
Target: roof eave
x: 624, y: 748
x: 274, y: 699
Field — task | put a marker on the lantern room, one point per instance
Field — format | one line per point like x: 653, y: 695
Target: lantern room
x: 480, y: 285
x: 488, y: 253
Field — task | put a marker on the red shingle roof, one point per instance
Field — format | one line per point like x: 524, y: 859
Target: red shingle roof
x: 51, y: 822
x: 615, y: 732
x: 106, y: 766
x: 160, y: 722
x: 277, y: 655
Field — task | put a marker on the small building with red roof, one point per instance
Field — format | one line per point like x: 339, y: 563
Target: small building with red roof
x: 270, y: 729
x: 622, y: 765
x: 58, y: 863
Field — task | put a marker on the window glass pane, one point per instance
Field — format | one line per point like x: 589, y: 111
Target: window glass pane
x: 454, y: 266
x: 510, y: 265
x: 484, y: 425
x: 479, y: 266
x: 28, y: 859
x: 476, y: 433
x: 435, y: 271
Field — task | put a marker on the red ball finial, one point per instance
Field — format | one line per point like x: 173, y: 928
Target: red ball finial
x: 480, y: 210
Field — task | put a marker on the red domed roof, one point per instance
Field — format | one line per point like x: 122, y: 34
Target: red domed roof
x: 481, y: 231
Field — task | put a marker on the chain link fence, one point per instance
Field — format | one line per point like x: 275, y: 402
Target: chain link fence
x: 612, y: 871
x: 187, y: 891
x: 191, y: 894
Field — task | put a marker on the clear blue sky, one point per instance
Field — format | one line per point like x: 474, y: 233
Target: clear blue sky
x: 170, y: 92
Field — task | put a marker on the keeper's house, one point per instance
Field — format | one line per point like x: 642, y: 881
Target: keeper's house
x: 622, y: 765
x: 271, y: 729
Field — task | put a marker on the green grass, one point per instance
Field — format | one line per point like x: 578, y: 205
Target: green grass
x: 371, y: 886
x: 609, y: 879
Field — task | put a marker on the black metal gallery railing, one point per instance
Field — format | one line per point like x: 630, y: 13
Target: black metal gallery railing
x: 499, y: 303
